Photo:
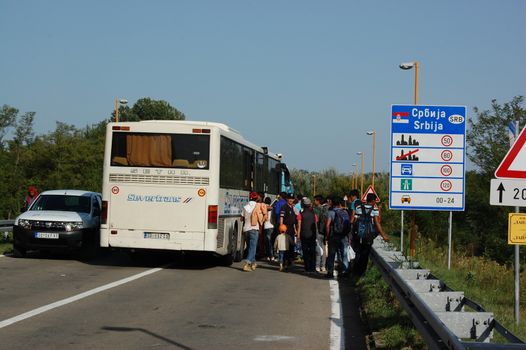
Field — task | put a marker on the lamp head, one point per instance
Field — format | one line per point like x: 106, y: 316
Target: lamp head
x: 123, y: 101
x: 407, y: 65
x: 371, y: 132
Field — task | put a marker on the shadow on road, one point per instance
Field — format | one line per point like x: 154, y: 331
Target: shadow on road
x: 145, y: 331
x: 147, y: 259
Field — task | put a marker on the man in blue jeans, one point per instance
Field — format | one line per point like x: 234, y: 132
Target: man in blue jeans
x: 251, y: 232
x: 337, y: 241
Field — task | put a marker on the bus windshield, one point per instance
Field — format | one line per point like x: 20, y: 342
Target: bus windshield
x: 160, y: 150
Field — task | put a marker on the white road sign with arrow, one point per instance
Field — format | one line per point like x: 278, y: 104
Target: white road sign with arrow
x: 508, y: 193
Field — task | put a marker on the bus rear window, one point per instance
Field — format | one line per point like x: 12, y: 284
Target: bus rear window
x: 187, y: 151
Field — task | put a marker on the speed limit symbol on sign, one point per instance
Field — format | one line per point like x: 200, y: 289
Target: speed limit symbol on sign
x: 446, y: 170
x: 446, y: 155
x: 446, y: 140
x: 446, y: 185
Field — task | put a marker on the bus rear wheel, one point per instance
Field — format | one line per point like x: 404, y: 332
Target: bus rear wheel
x: 228, y: 259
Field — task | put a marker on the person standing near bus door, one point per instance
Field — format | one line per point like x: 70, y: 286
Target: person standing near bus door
x: 251, y: 231
x: 276, y: 211
x: 268, y: 229
x: 287, y: 217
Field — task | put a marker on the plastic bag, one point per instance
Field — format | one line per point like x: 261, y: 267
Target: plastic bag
x: 319, y: 249
x: 350, y: 253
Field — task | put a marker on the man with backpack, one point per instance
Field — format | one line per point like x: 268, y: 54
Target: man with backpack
x: 306, y: 230
x: 367, y: 228
x: 337, y: 226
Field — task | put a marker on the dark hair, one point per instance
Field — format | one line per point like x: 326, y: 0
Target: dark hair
x: 283, y: 195
x: 371, y: 197
x: 354, y: 193
x: 336, y: 200
x: 268, y: 200
x: 319, y: 197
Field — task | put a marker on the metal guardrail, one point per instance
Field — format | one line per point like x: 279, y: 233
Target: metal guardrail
x: 437, y: 311
x: 6, y: 225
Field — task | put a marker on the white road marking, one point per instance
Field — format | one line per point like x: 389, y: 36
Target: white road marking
x: 336, y: 341
x: 273, y: 338
x: 77, y: 297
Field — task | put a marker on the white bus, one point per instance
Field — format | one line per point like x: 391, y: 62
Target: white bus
x: 181, y: 185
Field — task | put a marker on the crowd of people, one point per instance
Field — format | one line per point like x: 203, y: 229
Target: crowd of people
x: 324, y: 233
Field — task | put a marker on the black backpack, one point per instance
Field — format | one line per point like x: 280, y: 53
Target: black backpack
x: 342, y: 223
x: 366, y: 231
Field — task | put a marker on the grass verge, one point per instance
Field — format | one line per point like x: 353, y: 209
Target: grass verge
x: 6, y: 243
x: 389, y: 323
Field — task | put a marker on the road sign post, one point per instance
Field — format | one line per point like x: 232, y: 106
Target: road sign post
x: 513, y: 166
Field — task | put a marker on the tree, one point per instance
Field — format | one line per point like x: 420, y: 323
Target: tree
x: 149, y: 109
x: 8, y: 116
x: 487, y: 137
x: 485, y: 226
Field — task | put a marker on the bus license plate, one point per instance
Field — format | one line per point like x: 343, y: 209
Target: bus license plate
x: 46, y: 235
x: 154, y: 235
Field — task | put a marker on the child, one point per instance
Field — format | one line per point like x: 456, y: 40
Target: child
x: 281, y: 245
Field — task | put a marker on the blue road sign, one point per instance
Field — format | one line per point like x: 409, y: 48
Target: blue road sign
x: 406, y: 169
x: 427, y: 157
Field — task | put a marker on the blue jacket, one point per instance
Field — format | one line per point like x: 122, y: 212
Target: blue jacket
x: 277, y: 209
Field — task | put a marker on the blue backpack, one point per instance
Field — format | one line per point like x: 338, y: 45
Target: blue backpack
x: 366, y: 229
x: 342, y: 223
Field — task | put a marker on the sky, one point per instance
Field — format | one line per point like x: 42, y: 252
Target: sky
x: 306, y: 78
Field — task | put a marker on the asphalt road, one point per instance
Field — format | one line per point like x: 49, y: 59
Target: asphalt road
x: 167, y: 302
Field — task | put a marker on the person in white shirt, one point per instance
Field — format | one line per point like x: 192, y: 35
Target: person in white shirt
x: 282, y: 245
x: 251, y: 231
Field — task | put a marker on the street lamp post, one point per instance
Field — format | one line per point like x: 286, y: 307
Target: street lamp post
x: 373, y: 132
x: 363, y: 156
x: 412, y: 236
x: 313, y: 185
x: 117, y: 103
x: 353, y: 178
x: 410, y: 65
